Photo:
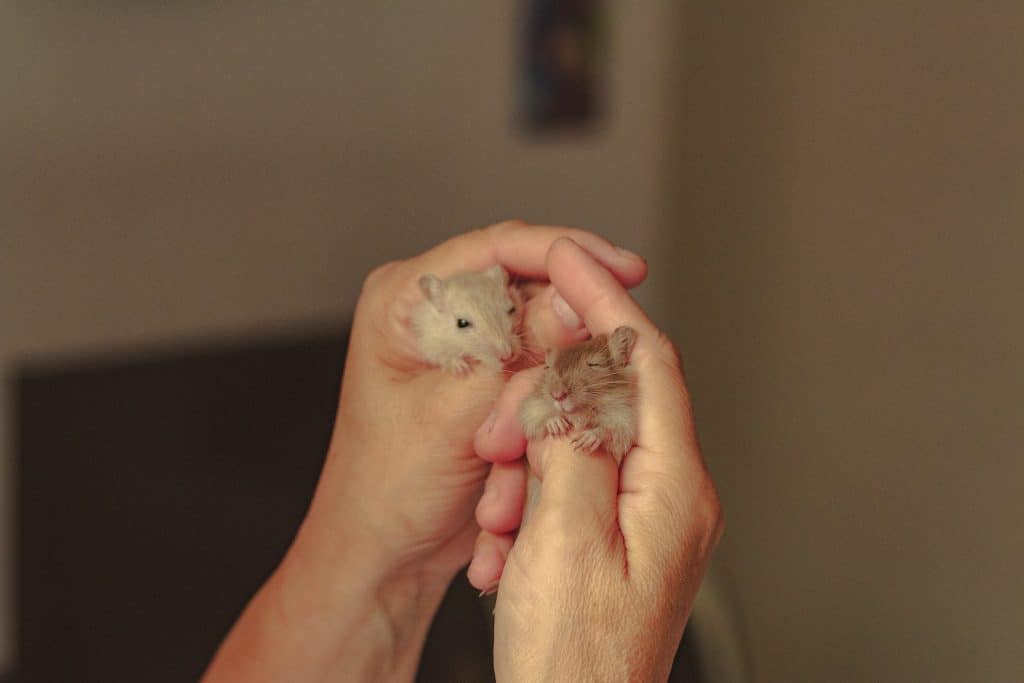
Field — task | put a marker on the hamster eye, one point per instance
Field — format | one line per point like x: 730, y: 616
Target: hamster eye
x: 512, y: 310
x: 462, y: 323
x: 593, y: 365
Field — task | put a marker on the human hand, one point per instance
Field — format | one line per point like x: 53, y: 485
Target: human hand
x: 401, y: 478
x: 392, y: 517
x: 600, y: 581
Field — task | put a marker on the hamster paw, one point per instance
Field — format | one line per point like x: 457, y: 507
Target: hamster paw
x: 557, y: 426
x: 588, y: 441
x: 457, y: 366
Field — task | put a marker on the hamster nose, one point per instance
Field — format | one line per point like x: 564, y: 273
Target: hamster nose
x: 506, y: 356
x: 559, y: 394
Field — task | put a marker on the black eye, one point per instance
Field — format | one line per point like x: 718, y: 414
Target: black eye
x: 462, y: 322
x: 512, y: 310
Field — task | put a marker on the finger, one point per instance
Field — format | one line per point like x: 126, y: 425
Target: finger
x: 665, y: 422
x: 500, y: 438
x: 392, y: 293
x: 578, y: 490
x: 522, y: 249
x: 500, y: 509
x: 604, y: 305
x: 531, y: 288
x: 488, y: 562
x: 666, y: 466
x: 592, y: 292
x: 551, y: 323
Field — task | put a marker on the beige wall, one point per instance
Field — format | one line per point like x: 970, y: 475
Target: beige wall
x: 180, y: 172
x: 842, y: 255
x: 846, y: 279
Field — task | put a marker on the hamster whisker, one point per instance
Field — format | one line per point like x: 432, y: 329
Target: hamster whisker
x: 611, y: 382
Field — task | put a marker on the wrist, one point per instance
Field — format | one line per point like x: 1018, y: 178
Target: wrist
x: 344, y: 620
x: 367, y: 618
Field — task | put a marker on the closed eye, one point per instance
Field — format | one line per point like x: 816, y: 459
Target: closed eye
x: 512, y: 310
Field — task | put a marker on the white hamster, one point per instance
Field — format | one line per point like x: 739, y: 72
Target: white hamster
x: 468, y: 317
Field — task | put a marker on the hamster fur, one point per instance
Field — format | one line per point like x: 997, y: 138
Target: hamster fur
x: 587, y: 391
x: 468, y: 317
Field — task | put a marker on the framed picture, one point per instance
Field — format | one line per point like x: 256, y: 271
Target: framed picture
x: 564, y: 61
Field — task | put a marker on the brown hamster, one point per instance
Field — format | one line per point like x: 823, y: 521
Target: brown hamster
x: 468, y: 317
x: 589, y: 391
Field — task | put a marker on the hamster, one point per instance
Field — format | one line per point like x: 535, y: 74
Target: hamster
x: 468, y: 317
x: 587, y: 391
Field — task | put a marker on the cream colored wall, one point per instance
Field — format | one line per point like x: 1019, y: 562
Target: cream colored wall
x: 845, y: 272
x: 195, y: 170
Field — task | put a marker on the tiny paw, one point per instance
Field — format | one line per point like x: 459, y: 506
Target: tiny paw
x: 457, y: 366
x: 587, y: 441
x: 557, y: 426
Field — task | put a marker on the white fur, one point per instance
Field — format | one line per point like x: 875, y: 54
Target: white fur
x: 483, y: 299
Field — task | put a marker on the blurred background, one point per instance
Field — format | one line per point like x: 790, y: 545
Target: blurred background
x: 831, y: 195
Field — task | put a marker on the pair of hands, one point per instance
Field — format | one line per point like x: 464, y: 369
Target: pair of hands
x: 597, y: 586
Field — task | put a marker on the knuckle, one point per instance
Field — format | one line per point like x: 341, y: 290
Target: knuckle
x: 601, y: 299
x: 498, y: 230
x: 560, y: 546
x: 667, y: 351
x: 376, y: 277
x: 709, y: 518
x: 694, y: 509
x: 378, y: 282
x: 509, y: 224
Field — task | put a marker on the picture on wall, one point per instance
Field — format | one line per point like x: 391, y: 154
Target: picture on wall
x: 564, y: 63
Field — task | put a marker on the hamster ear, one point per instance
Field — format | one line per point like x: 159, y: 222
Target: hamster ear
x: 621, y: 343
x: 497, y: 273
x: 433, y: 290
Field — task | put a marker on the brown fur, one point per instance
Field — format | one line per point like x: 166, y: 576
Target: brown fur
x: 599, y: 387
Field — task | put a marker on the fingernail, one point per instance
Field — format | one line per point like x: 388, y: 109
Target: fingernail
x: 630, y: 255
x: 488, y: 424
x: 564, y: 311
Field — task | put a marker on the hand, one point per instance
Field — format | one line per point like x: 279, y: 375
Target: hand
x: 392, y: 518
x: 600, y: 581
x: 401, y: 459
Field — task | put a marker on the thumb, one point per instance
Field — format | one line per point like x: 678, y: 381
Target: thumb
x: 456, y: 404
x: 579, y: 491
